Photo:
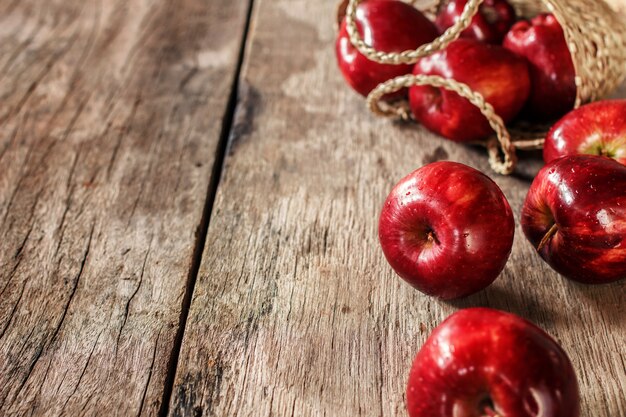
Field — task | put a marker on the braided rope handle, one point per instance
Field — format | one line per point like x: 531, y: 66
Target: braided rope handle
x: 501, y: 149
x: 529, y: 138
x: 429, y: 10
x: 410, y: 56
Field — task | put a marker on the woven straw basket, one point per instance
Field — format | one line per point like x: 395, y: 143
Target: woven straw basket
x: 596, y: 37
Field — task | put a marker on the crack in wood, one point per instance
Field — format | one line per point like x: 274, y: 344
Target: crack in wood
x: 13, y: 310
x: 227, y: 124
x: 44, y: 379
x: 75, y: 285
x: 13, y: 135
x: 146, y: 173
x: 70, y: 193
x: 31, y: 366
x: 147, y: 384
x: 20, y: 248
x: 22, y: 245
x: 127, y: 126
x: 82, y: 373
x: 130, y: 299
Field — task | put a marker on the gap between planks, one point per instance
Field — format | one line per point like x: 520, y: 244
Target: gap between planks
x: 201, y: 233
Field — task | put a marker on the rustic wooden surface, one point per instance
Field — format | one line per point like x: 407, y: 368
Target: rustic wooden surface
x: 295, y: 311
x: 113, y: 114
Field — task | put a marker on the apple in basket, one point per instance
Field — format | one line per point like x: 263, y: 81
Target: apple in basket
x: 553, y: 88
x: 497, y: 73
x: 447, y: 229
x: 482, y: 362
x: 597, y: 129
x: 575, y: 216
x: 490, y: 24
x: 388, y: 26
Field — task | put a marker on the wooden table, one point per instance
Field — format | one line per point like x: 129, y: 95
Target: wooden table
x: 188, y: 214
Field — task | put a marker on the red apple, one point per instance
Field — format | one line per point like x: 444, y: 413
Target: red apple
x: 447, y: 230
x: 490, y: 24
x: 542, y: 42
x: 388, y: 26
x: 595, y: 129
x: 498, y: 74
x: 575, y: 215
x: 482, y: 362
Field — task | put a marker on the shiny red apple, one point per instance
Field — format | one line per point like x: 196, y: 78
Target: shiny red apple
x: 575, y: 216
x: 498, y: 74
x: 447, y: 230
x: 490, y: 24
x: 388, y: 26
x: 482, y: 362
x: 542, y: 42
x: 596, y: 129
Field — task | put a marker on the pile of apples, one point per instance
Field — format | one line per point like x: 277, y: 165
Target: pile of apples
x: 447, y: 229
x: 522, y: 68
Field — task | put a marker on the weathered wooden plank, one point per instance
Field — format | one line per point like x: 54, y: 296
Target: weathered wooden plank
x: 295, y: 311
x: 111, y: 113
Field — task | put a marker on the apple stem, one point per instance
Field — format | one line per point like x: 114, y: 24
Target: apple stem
x: 432, y: 238
x: 547, y: 237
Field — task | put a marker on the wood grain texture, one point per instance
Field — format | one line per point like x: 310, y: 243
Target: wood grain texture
x: 295, y: 311
x: 111, y: 112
